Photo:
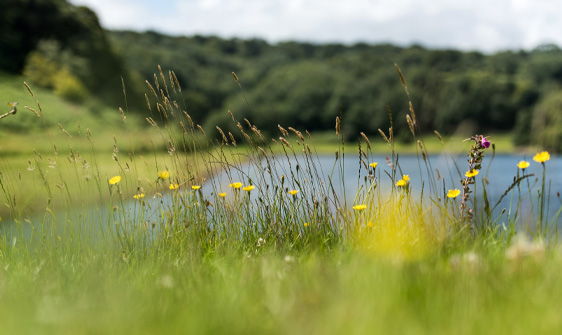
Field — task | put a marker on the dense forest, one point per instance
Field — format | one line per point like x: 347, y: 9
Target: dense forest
x: 291, y: 83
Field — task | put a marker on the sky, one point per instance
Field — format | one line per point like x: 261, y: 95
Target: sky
x: 482, y: 25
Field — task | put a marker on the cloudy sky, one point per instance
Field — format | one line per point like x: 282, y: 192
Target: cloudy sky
x: 485, y: 25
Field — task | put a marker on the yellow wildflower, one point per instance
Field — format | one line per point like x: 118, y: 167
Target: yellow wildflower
x: 174, y: 186
x: 370, y: 224
x: 293, y: 192
x: 523, y: 165
x: 114, y: 180
x: 306, y: 224
x: 235, y: 185
x: 406, y: 177
x: 453, y: 193
x: 249, y: 188
x: 471, y: 173
x: 373, y: 164
x: 401, y: 182
x: 360, y: 207
x: 138, y: 196
x: 222, y: 194
x: 195, y: 187
x: 164, y: 174
x: 542, y: 157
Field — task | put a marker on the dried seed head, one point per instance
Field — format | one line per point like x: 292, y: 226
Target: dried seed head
x: 162, y: 110
x: 235, y: 77
x: 248, y: 123
x: 439, y: 137
x: 123, y: 115
x: 258, y: 132
x: 147, y: 102
x: 410, y: 124
x: 384, y: 136
x: 189, y: 119
x: 338, y: 125
x: 243, y: 132
x: 201, y: 130
x: 151, y: 122
x: 390, y: 134
x: 152, y: 89
x: 39, y: 106
x: 156, y: 82
x: 28, y: 88
x: 402, y: 80
x: 172, y: 81
x: 366, y: 140
x: 33, y: 110
x: 231, y: 115
x: 171, y: 148
x: 284, y: 141
x: 183, y: 127
x: 298, y: 133
x: 64, y: 131
x: 163, y: 80
x: 365, y: 164
x: 232, y: 138
x: 283, y: 130
x: 308, y: 134
x: 225, y: 140
x: 176, y: 80
x: 412, y: 112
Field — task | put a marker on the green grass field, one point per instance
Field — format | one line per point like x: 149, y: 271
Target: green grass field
x: 151, y: 252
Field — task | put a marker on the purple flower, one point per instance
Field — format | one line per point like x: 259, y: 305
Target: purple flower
x: 485, y: 143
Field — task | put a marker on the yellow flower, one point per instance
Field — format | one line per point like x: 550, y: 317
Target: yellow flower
x: 406, y: 177
x: 222, y: 194
x: 164, y: 174
x: 293, y: 192
x: 360, y: 207
x: 453, y: 193
x: 138, y: 196
x: 401, y: 182
x: 542, y: 157
x: 373, y: 164
x: 471, y: 173
x: 114, y: 180
x: 195, y: 187
x: 523, y: 165
x: 174, y: 186
x: 249, y: 188
x: 235, y: 185
x: 306, y: 224
x: 370, y: 224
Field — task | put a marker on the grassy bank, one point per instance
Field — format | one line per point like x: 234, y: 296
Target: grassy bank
x: 474, y: 290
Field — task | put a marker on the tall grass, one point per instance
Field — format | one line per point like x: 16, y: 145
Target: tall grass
x: 170, y: 222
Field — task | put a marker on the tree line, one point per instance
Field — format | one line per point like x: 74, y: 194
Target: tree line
x: 303, y: 85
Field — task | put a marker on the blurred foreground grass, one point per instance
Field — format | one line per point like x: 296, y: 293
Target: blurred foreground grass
x: 477, y: 290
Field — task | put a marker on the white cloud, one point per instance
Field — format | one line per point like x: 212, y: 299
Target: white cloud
x: 477, y: 24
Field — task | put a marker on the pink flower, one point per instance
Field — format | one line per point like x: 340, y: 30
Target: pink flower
x: 485, y: 143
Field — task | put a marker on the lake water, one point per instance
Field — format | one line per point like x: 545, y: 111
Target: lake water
x: 499, y: 172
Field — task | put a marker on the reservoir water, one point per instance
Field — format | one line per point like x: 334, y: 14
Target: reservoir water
x: 443, y: 172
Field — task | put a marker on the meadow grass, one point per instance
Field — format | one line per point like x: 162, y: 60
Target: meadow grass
x: 239, y: 233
